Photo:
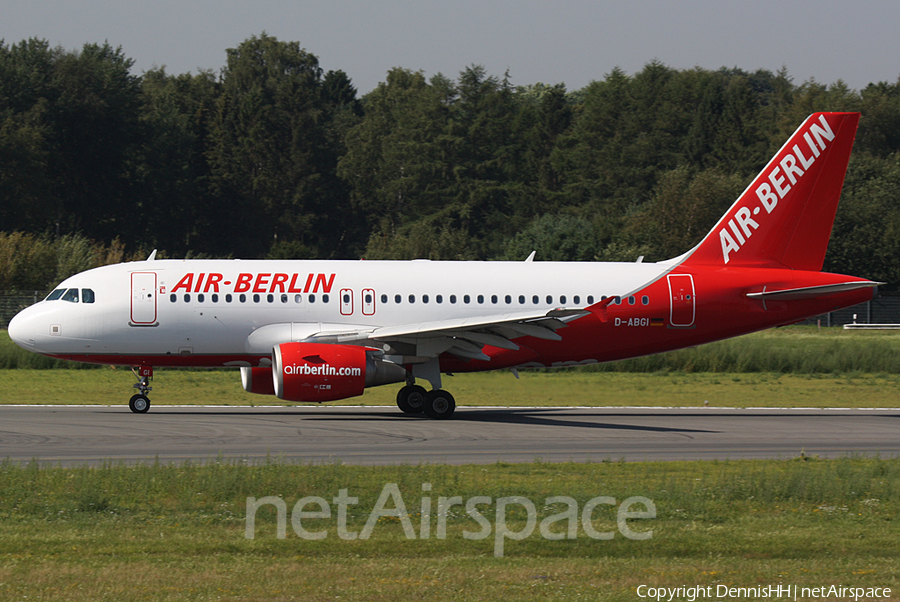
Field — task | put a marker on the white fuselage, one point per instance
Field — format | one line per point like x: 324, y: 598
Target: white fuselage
x: 189, y: 308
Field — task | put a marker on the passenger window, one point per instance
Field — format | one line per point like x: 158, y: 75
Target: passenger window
x: 187, y: 298
x: 535, y: 300
x: 56, y: 294
x: 384, y: 298
x: 173, y: 297
x: 215, y: 298
x: 256, y: 298
x: 576, y: 300
x: 228, y: 298
x: 397, y: 298
x: 412, y: 298
x: 645, y: 300
x: 494, y: 299
x: 508, y: 299
x: 324, y: 298
x: 562, y: 299
x: 87, y: 295
x: 298, y: 298
x: 590, y: 299
x: 439, y: 299
x: 466, y: 299
x: 201, y: 298
x: 549, y: 299
x: 452, y: 298
x: 631, y: 300
x: 71, y: 295
x: 312, y: 298
x: 481, y: 298
x: 242, y: 298
x: 270, y: 298
x: 284, y: 298
x: 424, y: 298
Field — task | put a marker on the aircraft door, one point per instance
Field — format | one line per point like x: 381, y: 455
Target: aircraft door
x: 368, y: 302
x: 346, y: 302
x: 683, y: 303
x: 143, y: 298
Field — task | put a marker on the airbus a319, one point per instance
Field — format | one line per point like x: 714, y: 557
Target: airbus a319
x: 317, y: 331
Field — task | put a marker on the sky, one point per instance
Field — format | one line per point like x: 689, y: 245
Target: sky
x: 564, y: 41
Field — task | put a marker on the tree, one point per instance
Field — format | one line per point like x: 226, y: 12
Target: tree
x: 97, y: 130
x: 177, y: 210
x: 271, y: 161
x: 397, y: 160
x: 866, y: 233
x: 684, y: 206
x: 555, y: 237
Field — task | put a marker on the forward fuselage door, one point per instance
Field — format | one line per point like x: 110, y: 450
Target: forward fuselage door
x: 683, y: 304
x: 143, y: 298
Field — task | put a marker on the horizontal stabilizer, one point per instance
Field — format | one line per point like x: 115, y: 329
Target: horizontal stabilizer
x: 812, y: 292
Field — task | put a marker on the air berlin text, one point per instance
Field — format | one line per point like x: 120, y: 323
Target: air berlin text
x: 774, y: 186
x: 256, y: 283
x: 323, y: 370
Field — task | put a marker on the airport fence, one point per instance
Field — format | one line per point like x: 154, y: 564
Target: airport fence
x: 12, y: 302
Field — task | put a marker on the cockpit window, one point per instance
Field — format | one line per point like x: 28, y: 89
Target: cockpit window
x: 87, y: 295
x: 71, y: 295
x: 56, y: 294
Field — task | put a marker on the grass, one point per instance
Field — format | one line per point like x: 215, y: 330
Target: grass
x: 550, y: 389
x: 157, y: 532
x: 177, y: 532
x: 787, y: 367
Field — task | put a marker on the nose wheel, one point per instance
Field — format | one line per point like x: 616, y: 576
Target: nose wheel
x: 140, y: 403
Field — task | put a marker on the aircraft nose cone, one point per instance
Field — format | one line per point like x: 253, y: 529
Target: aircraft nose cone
x: 21, y: 331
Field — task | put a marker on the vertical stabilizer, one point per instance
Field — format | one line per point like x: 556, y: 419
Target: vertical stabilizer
x: 784, y: 217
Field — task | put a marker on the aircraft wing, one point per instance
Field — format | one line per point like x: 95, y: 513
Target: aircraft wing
x: 462, y: 337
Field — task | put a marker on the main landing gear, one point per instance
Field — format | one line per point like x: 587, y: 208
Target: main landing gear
x: 140, y: 403
x: 413, y: 399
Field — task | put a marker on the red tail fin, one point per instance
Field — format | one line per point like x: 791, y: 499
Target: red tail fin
x: 785, y: 216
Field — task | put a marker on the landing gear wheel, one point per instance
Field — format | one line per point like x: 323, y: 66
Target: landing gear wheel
x: 139, y: 404
x: 411, y: 399
x: 439, y: 404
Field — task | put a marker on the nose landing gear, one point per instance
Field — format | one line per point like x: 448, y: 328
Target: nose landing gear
x: 140, y: 403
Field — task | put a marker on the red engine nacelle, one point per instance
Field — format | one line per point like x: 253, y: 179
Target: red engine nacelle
x: 326, y: 372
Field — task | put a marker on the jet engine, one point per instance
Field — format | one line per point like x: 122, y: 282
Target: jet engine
x: 321, y: 372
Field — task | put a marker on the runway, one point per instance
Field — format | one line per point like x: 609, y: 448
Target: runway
x: 78, y: 435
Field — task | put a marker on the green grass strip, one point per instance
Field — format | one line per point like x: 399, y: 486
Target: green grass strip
x: 160, y: 532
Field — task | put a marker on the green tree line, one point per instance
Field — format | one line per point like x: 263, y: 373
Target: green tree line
x: 274, y: 157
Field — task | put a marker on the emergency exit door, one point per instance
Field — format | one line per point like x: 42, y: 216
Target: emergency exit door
x: 682, y: 302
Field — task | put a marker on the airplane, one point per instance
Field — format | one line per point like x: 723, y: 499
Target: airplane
x: 323, y: 330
